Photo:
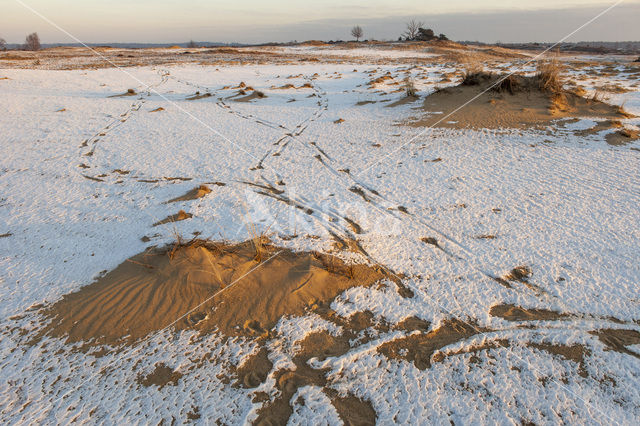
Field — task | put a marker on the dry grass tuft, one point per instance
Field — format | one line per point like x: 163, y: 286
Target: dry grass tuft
x: 597, y: 96
x: 509, y: 84
x: 548, y: 76
x: 410, y: 88
x: 519, y: 273
x: 474, y: 75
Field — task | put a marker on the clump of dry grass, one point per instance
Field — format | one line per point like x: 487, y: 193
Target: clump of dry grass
x: 509, y: 84
x: 410, y: 88
x: 548, y: 76
x: 473, y: 76
x: 597, y: 96
x: 519, y: 273
x: 259, y: 94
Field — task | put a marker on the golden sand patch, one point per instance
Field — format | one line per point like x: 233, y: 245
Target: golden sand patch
x: 419, y: 348
x: 151, y: 290
x: 181, y: 215
x: 194, y: 194
x: 517, y: 102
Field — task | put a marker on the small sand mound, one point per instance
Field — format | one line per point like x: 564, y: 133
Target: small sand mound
x: 513, y: 102
x: 181, y: 215
x: 151, y: 290
x: 255, y: 95
x: 622, y: 137
x: 199, y: 95
x: 129, y: 92
x: 194, y: 194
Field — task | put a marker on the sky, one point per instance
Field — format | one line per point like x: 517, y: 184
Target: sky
x: 257, y: 21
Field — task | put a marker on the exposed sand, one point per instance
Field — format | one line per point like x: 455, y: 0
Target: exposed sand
x: 181, y: 215
x: 149, y: 291
x: 194, y: 194
x: 520, y: 104
x: 248, y: 98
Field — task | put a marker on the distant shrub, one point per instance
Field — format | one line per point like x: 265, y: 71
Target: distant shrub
x: 32, y: 42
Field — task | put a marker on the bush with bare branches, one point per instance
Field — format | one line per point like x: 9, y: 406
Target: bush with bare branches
x: 412, y: 29
x: 32, y: 42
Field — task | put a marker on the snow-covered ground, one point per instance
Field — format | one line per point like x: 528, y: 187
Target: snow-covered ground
x: 84, y: 177
x: 373, y: 53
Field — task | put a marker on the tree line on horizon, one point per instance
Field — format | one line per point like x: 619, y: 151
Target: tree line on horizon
x: 31, y: 42
x: 415, y: 31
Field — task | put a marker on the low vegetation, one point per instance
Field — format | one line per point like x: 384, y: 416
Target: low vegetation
x: 416, y: 32
x: 548, y: 76
x: 410, y: 88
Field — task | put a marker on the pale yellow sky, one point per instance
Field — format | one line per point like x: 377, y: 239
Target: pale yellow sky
x: 277, y: 20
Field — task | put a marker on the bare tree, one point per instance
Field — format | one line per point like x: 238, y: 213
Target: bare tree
x: 192, y: 44
x: 3, y: 44
x: 412, y: 29
x: 32, y: 42
x: 357, y: 32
